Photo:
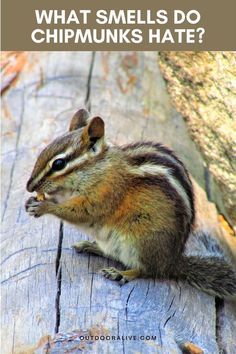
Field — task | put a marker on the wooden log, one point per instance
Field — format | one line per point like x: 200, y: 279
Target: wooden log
x: 36, y: 112
x: 226, y: 324
x: 125, y: 96
x: 46, y: 286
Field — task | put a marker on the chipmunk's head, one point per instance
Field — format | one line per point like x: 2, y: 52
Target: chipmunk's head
x: 55, y: 170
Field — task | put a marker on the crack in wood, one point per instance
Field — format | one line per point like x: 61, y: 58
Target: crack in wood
x: 61, y: 228
x: 123, y: 346
x: 167, y: 321
x: 91, y: 293
x: 171, y: 304
x: 87, y: 98
x: 127, y: 303
x: 16, y: 252
x: 23, y: 271
x: 59, y: 278
x: 171, y: 316
x: 219, y: 304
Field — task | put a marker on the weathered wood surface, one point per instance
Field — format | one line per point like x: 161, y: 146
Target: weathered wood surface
x: 202, y: 86
x: 46, y: 287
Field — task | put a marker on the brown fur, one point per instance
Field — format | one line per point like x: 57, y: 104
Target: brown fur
x: 136, y: 200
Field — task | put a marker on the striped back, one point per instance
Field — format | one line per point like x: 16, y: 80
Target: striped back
x: 155, y: 163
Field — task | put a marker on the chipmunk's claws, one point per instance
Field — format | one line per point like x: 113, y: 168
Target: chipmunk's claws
x: 34, y: 207
x: 88, y: 247
x: 114, y: 274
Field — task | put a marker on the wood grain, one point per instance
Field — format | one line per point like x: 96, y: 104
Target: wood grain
x: 141, y: 308
x: 46, y: 286
x: 30, y: 247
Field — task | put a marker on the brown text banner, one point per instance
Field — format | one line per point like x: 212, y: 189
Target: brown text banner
x: 118, y: 25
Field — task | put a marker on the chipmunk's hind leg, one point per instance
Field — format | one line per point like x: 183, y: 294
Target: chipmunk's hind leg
x: 122, y: 276
x: 88, y: 247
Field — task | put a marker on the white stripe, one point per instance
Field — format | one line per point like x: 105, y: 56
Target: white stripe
x: 40, y: 175
x: 49, y: 164
x: 161, y: 170
x: 151, y: 149
x: 81, y: 159
x: 171, y: 159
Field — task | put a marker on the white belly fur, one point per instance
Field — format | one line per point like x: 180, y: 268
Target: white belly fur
x: 114, y: 244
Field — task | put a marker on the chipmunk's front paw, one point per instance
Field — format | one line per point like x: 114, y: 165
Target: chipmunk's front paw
x: 114, y: 274
x: 35, y: 207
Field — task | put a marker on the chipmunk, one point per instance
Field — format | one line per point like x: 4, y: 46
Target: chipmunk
x: 135, y: 200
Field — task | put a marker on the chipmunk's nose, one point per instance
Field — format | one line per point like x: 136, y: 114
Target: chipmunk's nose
x: 30, y: 186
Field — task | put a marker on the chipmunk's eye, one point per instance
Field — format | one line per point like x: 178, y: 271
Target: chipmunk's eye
x: 58, y: 164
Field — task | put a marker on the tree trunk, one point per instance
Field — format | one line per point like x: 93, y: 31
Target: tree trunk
x: 202, y: 86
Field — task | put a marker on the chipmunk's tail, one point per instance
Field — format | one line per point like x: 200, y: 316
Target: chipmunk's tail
x: 212, y: 274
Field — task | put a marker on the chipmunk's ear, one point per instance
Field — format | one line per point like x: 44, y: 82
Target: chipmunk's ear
x: 79, y: 119
x: 95, y: 129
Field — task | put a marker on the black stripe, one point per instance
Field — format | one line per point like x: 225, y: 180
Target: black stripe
x: 69, y: 158
x: 162, y: 182
x: 176, y: 170
x: 133, y: 146
x: 168, y: 151
x: 158, y: 146
x: 42, y: 180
